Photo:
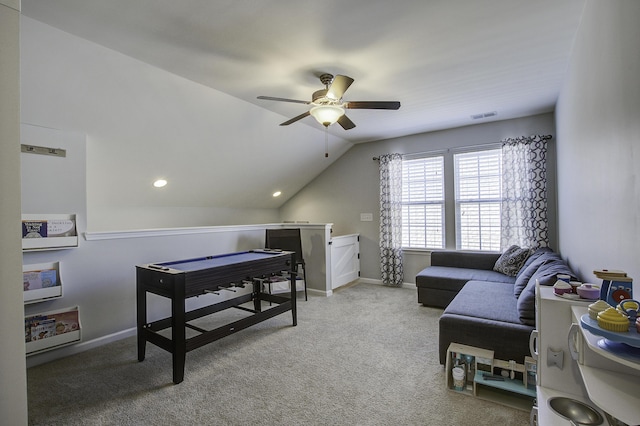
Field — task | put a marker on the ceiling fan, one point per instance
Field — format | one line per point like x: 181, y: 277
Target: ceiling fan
x: 327, y: 106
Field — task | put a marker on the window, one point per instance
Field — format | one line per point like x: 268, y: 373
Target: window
x: 423, y: 202
x: 478, y: 196
x: 474, y: 186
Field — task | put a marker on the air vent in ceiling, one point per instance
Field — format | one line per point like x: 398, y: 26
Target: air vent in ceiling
x: 484, y: 115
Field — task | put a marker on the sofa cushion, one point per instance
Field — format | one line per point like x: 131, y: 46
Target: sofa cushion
x: 533, y: 257
x: 530, y: 267
x: 484, y: 299
x: 464, y: 259
x: 510, y: 262
x: 449, y: 278
x: 526, y: 304
x: 546, y: 274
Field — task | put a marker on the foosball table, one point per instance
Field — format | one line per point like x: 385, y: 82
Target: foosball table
x: 183, y: 279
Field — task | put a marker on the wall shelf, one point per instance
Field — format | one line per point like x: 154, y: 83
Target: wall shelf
x: 50, y: 330
x: 41, y: 282
x: 48, y: 232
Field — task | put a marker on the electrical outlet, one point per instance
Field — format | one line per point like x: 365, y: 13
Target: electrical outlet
x: 366, y: 217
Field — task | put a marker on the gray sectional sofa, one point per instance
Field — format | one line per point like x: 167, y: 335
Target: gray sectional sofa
x: 483, y: 307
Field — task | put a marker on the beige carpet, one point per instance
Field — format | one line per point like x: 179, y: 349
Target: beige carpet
x: 365, y: 356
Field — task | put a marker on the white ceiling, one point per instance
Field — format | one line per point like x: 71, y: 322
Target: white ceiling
x: 444, y: 60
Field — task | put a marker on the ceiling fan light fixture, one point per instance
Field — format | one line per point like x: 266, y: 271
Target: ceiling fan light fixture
x: 327, y: 114
x: 327, y: 106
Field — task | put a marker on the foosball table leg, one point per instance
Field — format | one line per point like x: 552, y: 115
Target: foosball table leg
x: 178, y: 332
x: 257, y: 293
x: 141, y: 319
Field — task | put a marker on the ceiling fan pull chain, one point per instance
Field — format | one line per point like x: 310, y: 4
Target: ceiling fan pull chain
x: 326, y: 141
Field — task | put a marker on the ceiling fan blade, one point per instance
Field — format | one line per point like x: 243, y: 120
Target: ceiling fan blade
x: 346, y: 123
x: 372, y: 105
x: 271, y: 98
x: 339, y: 85
x: 294, y: 119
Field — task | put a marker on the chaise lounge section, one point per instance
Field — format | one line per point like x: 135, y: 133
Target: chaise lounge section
x: 486, y: 308
x: 450, y: 270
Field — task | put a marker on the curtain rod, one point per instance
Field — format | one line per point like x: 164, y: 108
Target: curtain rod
x: 461, y: 148
x: 412, y: 154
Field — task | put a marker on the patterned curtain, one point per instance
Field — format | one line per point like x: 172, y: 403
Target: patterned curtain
x: 391, y: 219
x: 524, y: 192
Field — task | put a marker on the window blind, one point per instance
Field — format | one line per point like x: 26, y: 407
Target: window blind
x: 423, y: 202
x: 478, y: 196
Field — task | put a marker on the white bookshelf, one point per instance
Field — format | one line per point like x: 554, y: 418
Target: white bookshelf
x: 38, y: 285
x: 62, y: 233
x: 63, y: 329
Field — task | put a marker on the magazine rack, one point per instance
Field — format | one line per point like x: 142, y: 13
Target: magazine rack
x: 41, y: 282
x: 51, y: 330
x: 48, y: 232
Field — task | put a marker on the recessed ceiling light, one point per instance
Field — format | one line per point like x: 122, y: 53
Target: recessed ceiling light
x: 277, y: 194
x: 159, y: 183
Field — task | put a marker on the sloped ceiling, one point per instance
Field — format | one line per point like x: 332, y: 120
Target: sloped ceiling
x: 445, y: 61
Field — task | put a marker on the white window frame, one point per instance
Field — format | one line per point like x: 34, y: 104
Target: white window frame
x: 423, y: 201
x: 480, y: 190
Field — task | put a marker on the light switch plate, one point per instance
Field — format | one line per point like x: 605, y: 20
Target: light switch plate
x: 366, y: 217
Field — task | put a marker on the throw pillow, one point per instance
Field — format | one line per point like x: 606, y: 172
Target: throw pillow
x: 535, y: 254
x: 545, y: 275
x: 530, y: 267
x: 510, y: 262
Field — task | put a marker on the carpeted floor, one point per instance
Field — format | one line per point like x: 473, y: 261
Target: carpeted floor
x: 365, y: 356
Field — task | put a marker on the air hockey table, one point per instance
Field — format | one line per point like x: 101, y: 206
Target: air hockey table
x: 183, y: 279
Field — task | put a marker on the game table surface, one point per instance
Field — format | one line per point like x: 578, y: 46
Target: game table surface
x: 208, y: 262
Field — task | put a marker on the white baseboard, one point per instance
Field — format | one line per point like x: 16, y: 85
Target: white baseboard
x: 66, y: 351
x: 379, y: 282
x: 319, y: 292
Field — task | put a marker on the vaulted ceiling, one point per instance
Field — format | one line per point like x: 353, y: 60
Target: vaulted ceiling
x: 444, y: 60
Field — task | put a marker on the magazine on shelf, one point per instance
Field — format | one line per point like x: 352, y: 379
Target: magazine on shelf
x: 41, y: 282
x: 34, y: 229
x: 49, y: 228
x: 49, y: 231
x: 42, y: 326
x: 34, y: 280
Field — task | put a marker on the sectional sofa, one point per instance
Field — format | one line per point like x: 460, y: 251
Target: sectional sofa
x: 484, y: 307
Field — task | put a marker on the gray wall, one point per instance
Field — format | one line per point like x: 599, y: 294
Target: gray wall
x: 350, y: 186
x: 598, y: 121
